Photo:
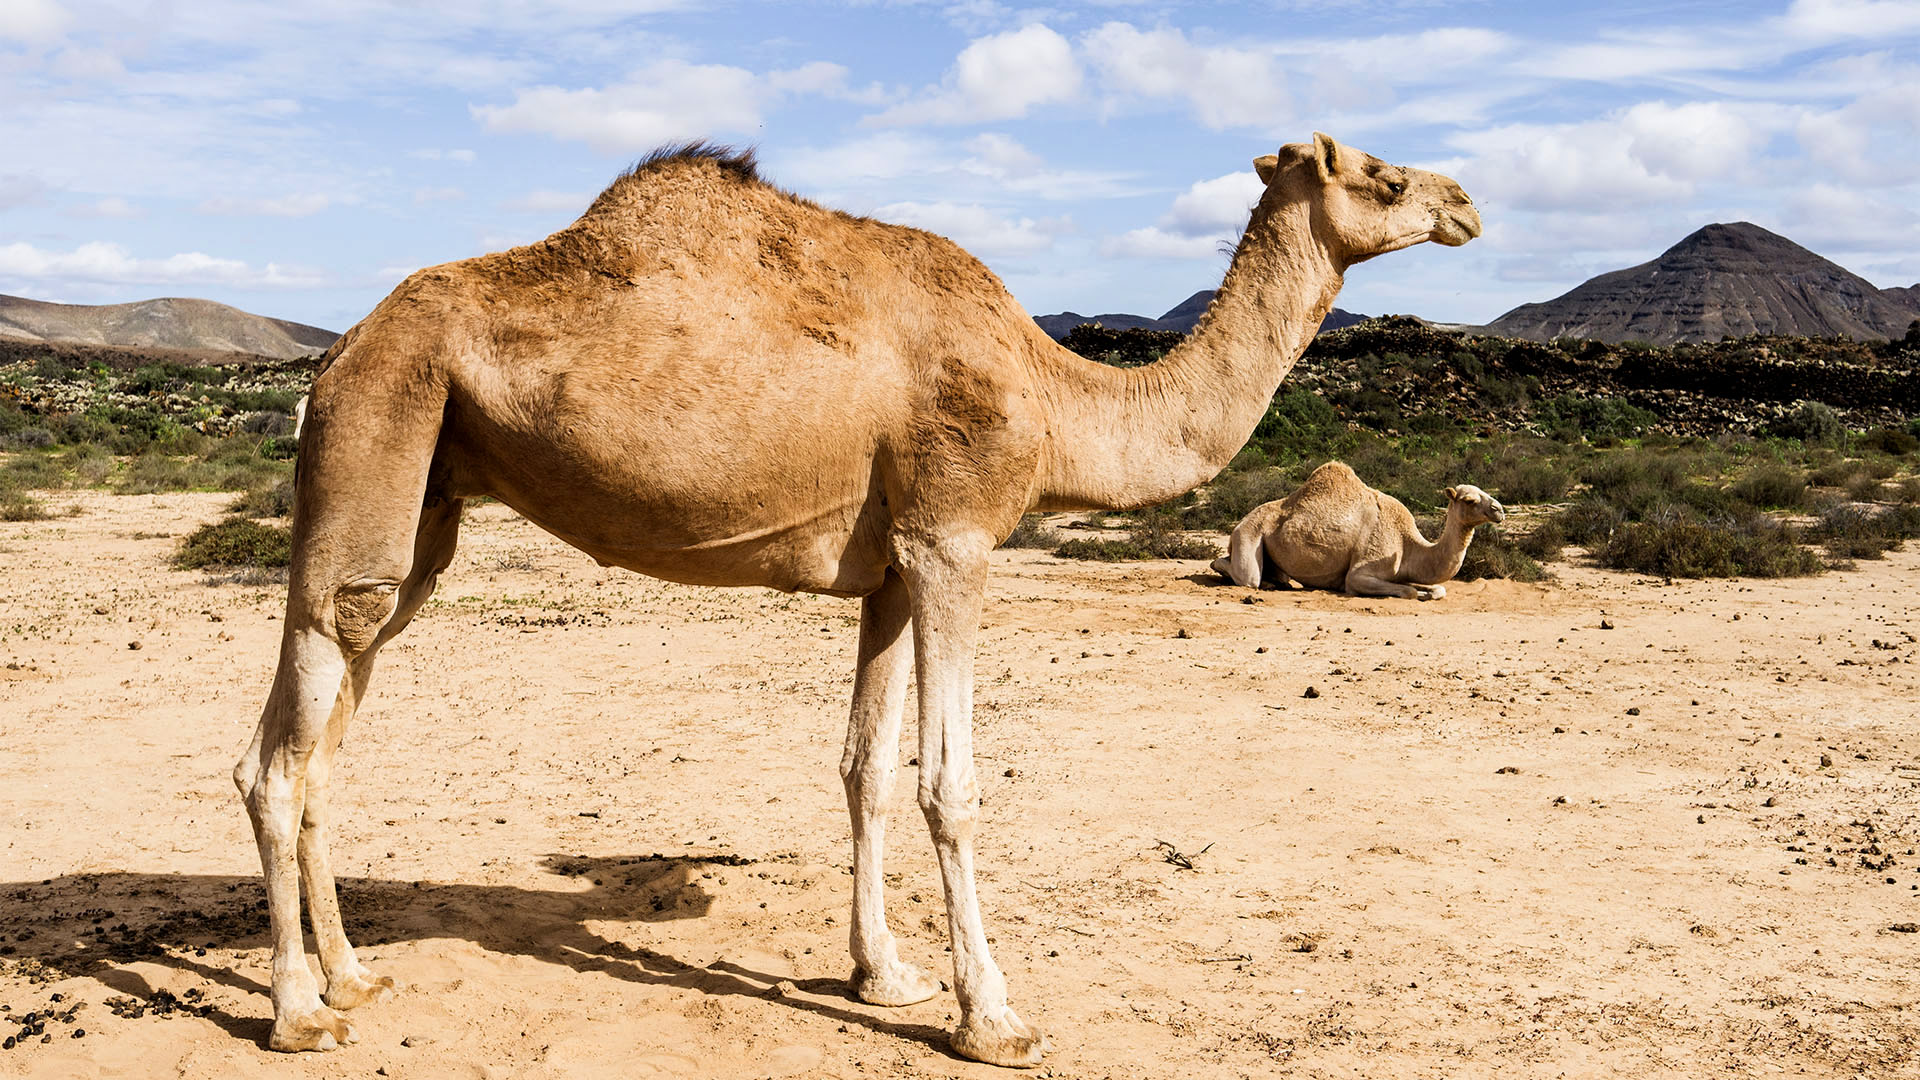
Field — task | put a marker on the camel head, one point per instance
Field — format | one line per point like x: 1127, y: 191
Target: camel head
x: 1474, y: 506
x: 1363, y: 206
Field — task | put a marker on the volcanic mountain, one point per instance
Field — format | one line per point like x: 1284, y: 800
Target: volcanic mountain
x: 170, y: 322
x: 1180, y: 318
x: 1722, y: 281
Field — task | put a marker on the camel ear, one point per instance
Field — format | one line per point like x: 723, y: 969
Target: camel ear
x: 1453, y: 493
x: 1265, y: 166
x: 1326, y: 154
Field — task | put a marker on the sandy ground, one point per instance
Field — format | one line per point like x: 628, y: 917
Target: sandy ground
x: 1602, y: 827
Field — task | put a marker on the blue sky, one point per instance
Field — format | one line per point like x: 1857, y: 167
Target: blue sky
x: 298, y: 159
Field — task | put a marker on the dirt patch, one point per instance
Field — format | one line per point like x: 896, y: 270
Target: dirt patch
x: 593, y: 824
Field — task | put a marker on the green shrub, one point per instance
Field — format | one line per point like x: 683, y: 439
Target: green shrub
x: 1545, y: 541
x: 1589, y: 521
x: 1493, y: 554
x: 1813, y: 423
x: 19, y: 506
x: 1576, y: 416
x: 1031, y: 532
x: 1862, y: 532
x: 1680, y: 546
x: 1524, y: 482
x: 1772, y: 487
x: 1865, y: 488
x: 277, y: 501
x: 235, y: 542
x: 1887, y: 440
x: 1155, y: 537
x: 1836, y: 472
x: 1299, y: 419
x: 1232, y: 495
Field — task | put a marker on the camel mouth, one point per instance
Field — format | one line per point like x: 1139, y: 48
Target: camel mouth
x: 1497, y: 514
x: 1455, y: 227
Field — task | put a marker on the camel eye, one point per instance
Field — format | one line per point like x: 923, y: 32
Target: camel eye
x: 1398, y: 187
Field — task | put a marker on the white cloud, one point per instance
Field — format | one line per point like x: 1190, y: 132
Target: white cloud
x: 20, y: 190
x: 1226, y: 86
x: 463, y: 157
x: 669, y: 101
x: 976, y: 228
x: 113, y: 206
x: 1203, y: 220
x: 1154, y: 242
x: 997, y: 77
x: 303, y: 205
x: 111, y: 263
x: 426, y: 195
x: 32, y: 21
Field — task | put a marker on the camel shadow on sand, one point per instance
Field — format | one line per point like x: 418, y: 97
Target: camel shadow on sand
x: 97, y: 925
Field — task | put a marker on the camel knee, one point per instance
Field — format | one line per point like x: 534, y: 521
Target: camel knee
x: 951, y: 810
x: 360, y: 610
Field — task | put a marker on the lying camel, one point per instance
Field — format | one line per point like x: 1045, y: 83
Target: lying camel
x: 1336, y: 532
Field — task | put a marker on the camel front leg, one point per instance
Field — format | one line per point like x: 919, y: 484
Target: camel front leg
x: 948, y: 583
x: 272, y: 777
x: 868, y: 769
x: 350, y: 983
x: 1245, y: 557
x: 1362, y: 583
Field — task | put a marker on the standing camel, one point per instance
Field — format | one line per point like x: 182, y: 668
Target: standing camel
x: 712, y: 381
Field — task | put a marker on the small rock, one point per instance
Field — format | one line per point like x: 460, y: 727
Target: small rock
x: 1260, y: 649
x: 1606, y: 624
x: 134, y: 645
x: 99, y: 610
x: 1769, y: 801
x: 1182, y: 633
x: 1635, y: 711
x: 1011, y: 773
x: 1826, y: 761
x: 1505, y: 770
x: 1559, y: 800
x: 412, y: 1041
x: 1311, y: 692
x: 1905, y: 928
x: 1700, y: 819
x: 1252, y: 599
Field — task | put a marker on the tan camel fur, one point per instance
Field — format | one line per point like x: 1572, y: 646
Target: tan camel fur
x: 712, y: 381
x: 1335, y: 532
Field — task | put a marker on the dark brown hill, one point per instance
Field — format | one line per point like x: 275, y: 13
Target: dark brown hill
x: 1723, y: 281
x: 166, y: 323
x: 1180, y: 319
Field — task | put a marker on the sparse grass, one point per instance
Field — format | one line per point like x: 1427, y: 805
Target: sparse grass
x: 235, y: 543
x: 1157, y: 536
x: 1233, y: 496
x: 1032, y: 532
x: 19, y: 506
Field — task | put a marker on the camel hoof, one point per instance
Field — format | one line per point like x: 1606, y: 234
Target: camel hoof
x: 353, y: 991
x: 321, y: 1029
x: 1438, y: 592
x: 896, y: 985
x: 1006, y: 1041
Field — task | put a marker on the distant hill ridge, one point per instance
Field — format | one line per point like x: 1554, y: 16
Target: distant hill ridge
x: 168, y: 322
x: 1724, y: 280
x: 1180, y: 319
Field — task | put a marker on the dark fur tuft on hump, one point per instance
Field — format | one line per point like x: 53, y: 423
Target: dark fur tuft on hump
x: 738, y: 164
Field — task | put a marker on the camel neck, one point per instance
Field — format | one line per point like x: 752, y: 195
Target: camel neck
x: 1436, y: 562
x: 1122, y: 438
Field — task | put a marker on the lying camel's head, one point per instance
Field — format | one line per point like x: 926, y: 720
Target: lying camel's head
x: 1363, y: 206
x: 1474, y: 506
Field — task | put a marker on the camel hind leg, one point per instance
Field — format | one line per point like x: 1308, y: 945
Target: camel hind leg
x: 349, y: 983
x: 369, y: 442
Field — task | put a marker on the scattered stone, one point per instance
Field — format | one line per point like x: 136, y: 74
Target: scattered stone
x: 1011, y: 773
x: 1826, y: 761
x: 1606, y: 624
x: 1252, y: 599
x: 1260, y: 649
x: 134, y: 645
x: 1769, y: 801
x: 1635, y: 711
x: 1905, y: 928
x: 1182, y: 633
x: 1505, y: 770
x: 1311, y: 692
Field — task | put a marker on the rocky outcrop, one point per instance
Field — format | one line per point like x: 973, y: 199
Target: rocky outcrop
x: 1722, y: 281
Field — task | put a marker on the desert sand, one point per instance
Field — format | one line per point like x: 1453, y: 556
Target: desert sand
x: 1604, y: 826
